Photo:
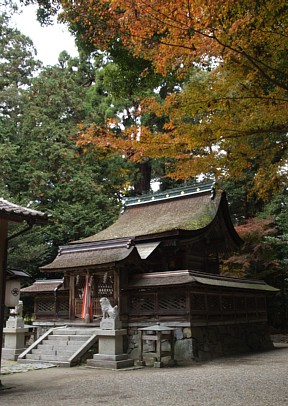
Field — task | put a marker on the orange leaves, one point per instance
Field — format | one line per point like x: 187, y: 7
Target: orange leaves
x: 175, y: 35
x: 230, y: 119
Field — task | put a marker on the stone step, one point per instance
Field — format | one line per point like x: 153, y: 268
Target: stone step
x: 33, y: 356
x: 66, y: 341
x: 39, y: 351
x: 47, y: 357
x: 67, y: 353
x: 64, y: 349
x: 60, y: 346
x: 79, y: 337
x: 67, y: 331
x: 66, y: 338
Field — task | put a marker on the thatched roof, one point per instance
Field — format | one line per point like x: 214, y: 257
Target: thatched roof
x: 91, y: 255
x: 183, y: 277
x: 195, y: 212
x: 43, y: 286
x: 184, y: 209
x: 13, y: 212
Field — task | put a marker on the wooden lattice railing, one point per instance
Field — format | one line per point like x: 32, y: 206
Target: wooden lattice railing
x: 197, y: 306
x: 51, y: 307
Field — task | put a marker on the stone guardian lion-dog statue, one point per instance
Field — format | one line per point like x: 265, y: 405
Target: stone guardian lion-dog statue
x: 108, y: 312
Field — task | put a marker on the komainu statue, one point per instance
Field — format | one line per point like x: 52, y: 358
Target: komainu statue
x: 108, y: 312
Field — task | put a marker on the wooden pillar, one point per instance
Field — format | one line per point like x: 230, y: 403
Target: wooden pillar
x: 71, y: 297
x: 3, y: 264
x: 116, y: 287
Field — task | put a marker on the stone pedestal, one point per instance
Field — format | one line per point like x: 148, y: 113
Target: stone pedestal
x: 111, y: 354
x: 110, y: 324
x: 14, y: 338
x: 15, y: 322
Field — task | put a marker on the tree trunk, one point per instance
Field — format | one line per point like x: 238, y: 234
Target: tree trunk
x: 142, y: 185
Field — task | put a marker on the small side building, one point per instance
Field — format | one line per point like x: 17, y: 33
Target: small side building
x: 161, y: 262
x: 51, y: 300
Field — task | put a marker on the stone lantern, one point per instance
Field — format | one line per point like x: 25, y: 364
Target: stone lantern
x: 15, y: 331
x: 12, y: 290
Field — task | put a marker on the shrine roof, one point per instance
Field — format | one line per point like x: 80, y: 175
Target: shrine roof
x: 195, y: 212
x: 185, y: 209
x: 14, y: 212
x: 91, y: 255
x: 182, y: 277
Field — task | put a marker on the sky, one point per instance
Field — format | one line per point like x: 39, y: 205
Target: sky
x: 49, y: 41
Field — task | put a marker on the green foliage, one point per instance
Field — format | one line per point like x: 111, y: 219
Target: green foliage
x: 41, y: 165
x: 30, y: 250
x: 76, y: 188
x: 17, y: 67
x: 279, y: 245
x: 264, y: 254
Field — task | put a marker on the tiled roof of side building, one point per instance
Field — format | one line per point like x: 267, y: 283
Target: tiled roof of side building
x: 14, y: 212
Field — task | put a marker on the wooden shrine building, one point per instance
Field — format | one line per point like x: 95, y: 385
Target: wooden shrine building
x: 161, y: 262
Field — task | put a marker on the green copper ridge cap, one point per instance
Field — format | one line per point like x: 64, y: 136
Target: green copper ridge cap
x: 171, y: 194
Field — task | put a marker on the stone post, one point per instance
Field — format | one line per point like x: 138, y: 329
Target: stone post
x: 14, y: 334
x: 110, y: 335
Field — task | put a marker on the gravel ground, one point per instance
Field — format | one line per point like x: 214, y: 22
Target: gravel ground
x: 252, y: 380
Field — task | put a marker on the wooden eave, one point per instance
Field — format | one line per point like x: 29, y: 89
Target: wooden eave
x: 189, y: 277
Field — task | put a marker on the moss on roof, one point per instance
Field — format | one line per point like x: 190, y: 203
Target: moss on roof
x: 197, y: 212
x: 179, y: 213
x: 89, y: 259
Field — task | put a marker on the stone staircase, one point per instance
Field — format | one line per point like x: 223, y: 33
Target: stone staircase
x: 64, y: 346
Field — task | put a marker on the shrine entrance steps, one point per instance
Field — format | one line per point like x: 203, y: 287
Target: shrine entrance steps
x: 63, y: 346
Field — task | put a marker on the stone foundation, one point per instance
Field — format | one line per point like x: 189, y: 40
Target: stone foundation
x: 202, y: 343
